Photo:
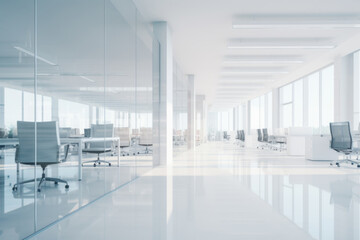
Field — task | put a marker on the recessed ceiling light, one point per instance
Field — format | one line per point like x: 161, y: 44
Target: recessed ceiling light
x: 263, y: 61
x: 295, y: 25
x: 255, y: 72
x: 281, y: 46
x: 87, y: 79
x: 37, y: 56
x: 296, y: 21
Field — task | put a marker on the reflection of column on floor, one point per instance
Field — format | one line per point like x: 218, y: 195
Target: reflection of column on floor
x: 162, y: 206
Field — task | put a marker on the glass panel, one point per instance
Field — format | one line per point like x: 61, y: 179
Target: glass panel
x: 313, y: 93
x: 287, y: 115
x: 298, y: 103
x: 327, y: 95
x: 180, y: 115
x: 286, y: 94
x: 269, y: 110
x: 17, y: 50
x: 262, y: 111
x: 254, y: 108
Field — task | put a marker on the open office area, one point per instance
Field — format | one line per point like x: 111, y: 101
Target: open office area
x: 136, y: 119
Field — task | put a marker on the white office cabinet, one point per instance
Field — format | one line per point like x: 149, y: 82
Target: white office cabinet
x: 317, y: 148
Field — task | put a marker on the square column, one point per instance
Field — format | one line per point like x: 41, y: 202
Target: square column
x: 163, y: 98
x: 343, y: 89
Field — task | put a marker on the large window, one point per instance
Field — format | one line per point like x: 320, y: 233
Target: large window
x: 261, y: 112
x: 313, y: 106
x: 315, y: 91
x: 356, y: 90
x: 286, y: 105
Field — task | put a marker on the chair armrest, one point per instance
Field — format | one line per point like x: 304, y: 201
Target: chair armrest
x: 66, y: 149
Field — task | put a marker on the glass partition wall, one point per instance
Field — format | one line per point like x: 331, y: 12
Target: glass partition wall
x: 180, y: 114
x: 71, y: 83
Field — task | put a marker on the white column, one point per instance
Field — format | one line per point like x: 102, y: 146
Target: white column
x: 191, y: 113
x: 343, y: 89
x: 163, y: 91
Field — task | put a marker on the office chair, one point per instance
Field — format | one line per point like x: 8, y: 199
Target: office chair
x: 146, y: 139
x: 125, y: 140
x: 242, y: 138
x: 48, y: 149
x: 341, y: 141
x: 100, y: 131
x: 259, y: 138
x: 226, y: 136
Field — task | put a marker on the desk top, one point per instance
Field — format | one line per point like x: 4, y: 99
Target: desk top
x: 15, y: 141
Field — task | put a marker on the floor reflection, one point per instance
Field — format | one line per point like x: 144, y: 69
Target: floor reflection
x: 223, y: 192
x: 17, y: 208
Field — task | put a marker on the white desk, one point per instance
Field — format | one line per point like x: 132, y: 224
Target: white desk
x: 80, y: 141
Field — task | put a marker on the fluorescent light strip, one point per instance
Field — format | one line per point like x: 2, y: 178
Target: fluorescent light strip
x: 231, y: 72
x: 295, y: 25
x: 263, y: 61
x: 88, y: 79
x: 284, y: 47
x: 33, y: 55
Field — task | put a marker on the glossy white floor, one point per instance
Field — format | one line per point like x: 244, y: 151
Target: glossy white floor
x: 223, y: 192
x: 17, y: 208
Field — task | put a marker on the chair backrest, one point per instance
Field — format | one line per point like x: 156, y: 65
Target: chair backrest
x: 124, y: 134
x: 102, y: 131
x: 242, y: 135
x: 259, y: 135
x: 340, y: 136
x: 48, y: 142
x: 87, y: 132
x: 146, y: 136
x: 265, y: 135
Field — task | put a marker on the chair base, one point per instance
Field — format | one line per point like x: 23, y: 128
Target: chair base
x: 41, y: 181
x: 346, y: 160
x: 97, y: 161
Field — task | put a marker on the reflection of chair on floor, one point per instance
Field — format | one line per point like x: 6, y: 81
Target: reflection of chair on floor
x: 48, y: 149
x: 100, y: 131
x: 124, y: 134
x: 146, y: 139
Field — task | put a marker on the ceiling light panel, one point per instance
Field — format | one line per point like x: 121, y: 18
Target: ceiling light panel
x: 297, y: 22
x: 267, y: 59
x: 281, y: 43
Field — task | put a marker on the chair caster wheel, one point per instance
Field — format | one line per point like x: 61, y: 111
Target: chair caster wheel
x: 66, y: 186
x: 14, y: 189
x: 99, y: 163
x: 123, y: 155
x: 56, y: 183
x: 94, y: 164
x: 134, y: 154
x: 109, y: 164
x: 352, y: 163
x: 39, y: 190
x: 128, y: 154
x: 331, y: 164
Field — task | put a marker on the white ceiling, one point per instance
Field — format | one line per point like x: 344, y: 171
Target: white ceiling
x: 202, y: 31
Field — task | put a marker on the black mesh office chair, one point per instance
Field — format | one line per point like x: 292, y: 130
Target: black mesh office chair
x: 341, y: 141
x: 259, y: 138
x: 242, y: 138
